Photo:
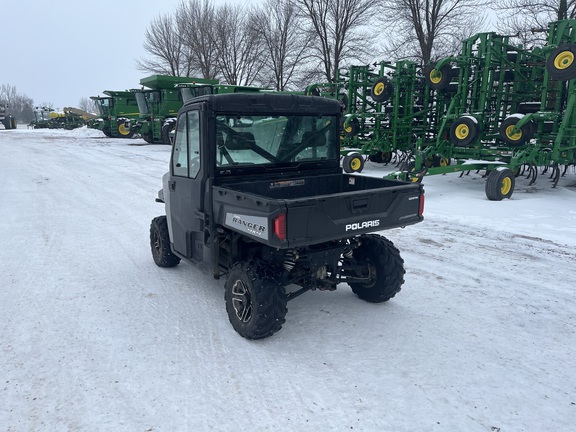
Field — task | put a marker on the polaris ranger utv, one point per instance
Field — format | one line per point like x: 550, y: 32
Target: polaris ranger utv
x: 255, y: 191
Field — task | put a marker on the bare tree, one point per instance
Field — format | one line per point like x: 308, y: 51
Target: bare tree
x: 341, y: 30
x: 424, y: 30
x: 196, y: 22
x: 165, y: 47
x: 286, y: 44
x: 87, y: 104
x: 531, y: 25
x: 8, y: 94
x: 239, y: 50
x: 18, y: 104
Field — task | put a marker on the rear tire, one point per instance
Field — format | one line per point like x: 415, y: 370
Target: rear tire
x: 255, y: 300
x: 160, y: 243
x: 382, y: 261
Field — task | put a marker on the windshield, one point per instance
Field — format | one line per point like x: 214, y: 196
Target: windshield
x: 103, y: 105
x: 141, y: 101
x: 192, y: 92
x: 264, y: 140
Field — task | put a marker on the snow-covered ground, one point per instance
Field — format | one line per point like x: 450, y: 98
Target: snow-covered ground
x: 95, y: 337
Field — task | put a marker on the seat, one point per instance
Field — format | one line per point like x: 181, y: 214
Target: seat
x: 313, y: 139
x: 241, y: 141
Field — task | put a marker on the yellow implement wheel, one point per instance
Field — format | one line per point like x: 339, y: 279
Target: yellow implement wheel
x: 438, y: 78
x: 465, y: 131
x: 564, y: 60
x: 462, y: 132
x: 513, y: 136
x: 505, y: 186
x: 381, y: 89
x: 353, y: 162
x: 561, y: 63
x: 435, y: 76
x: 350, y: 128
x: 500, y: 184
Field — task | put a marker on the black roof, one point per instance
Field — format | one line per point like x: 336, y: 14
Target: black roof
x: 254, y: 103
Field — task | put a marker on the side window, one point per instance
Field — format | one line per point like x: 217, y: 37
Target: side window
x: 180, y: 152
x: 194, y: 142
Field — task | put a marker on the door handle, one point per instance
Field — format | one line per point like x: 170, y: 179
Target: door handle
x: 172, y: 185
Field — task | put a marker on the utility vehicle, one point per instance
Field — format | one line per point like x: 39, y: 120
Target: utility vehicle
x: 255, y: 191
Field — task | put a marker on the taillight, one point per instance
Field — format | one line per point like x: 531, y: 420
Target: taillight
x: 280, y: 226
x: 421, y: 207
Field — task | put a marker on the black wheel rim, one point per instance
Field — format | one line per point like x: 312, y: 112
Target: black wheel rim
x: 241, y: 301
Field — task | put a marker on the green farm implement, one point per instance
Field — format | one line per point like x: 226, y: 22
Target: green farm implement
x: 508, y: 111
x: 159, y: 103
x: 385, y: 106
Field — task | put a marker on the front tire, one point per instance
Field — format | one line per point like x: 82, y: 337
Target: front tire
x: 160, y: 243
x: 383, y: 265
x: 124, y: 129
x: 255, y: 301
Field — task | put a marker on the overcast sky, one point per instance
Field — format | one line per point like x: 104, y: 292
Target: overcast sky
x: 60, y: 51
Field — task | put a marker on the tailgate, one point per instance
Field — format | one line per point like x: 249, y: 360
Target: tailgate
x: 347, y: 214
x: 313, y: 219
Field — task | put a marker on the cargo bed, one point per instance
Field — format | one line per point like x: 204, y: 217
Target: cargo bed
x: 317, y: 209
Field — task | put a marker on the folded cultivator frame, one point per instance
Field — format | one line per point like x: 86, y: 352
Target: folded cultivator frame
x: 493, y: 107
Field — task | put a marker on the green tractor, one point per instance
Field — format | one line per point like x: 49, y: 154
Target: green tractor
x: 117, y: 111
